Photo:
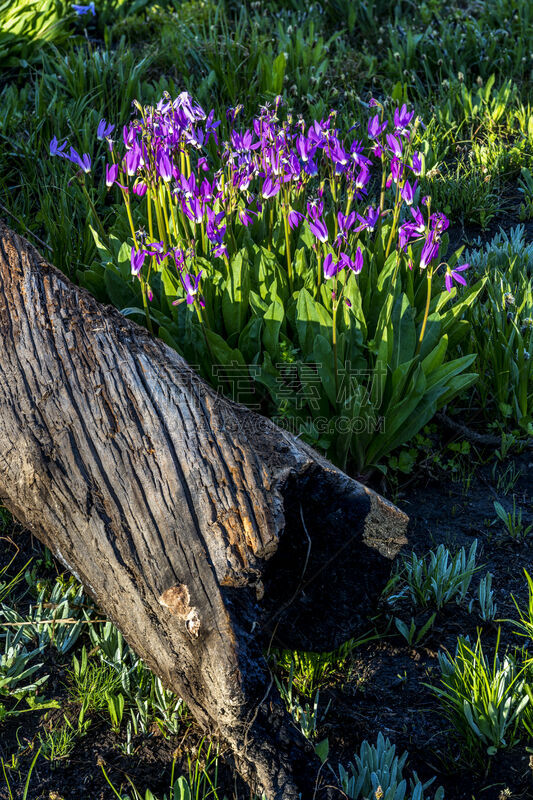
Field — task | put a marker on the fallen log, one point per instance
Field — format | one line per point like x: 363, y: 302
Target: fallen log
x: 200, y: 528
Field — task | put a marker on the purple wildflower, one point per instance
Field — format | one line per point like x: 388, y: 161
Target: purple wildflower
x: 220, y: 251
x: 83, y: 161
x: 345, y: 224
x: 356, y: 152
x: 440, y: 223
x: 132, y: 160
x: 396, y: 171
x: 408, y: 192
x: 402, y: 118
x: 111, y: 174
x: 405, y: 233
x: 356, y: 265
x: 369, y: 222
x: 157, y: 249
x: 375, y: 128
x: 194, y: 209
x: 140, y: 188
x: 339, y: 156
x: 104, y: 130
x: 211, y: 126
x: 315, y: 209
x: 164, y: 166
x: 137, y: 260
x: 304, y: 149
x: 319, y: 229
x: 57, y: 149
x: 295, y: 217
x: 81, y: 10
x: 245, y: 216
x: 430, y: 251
x: 454, y: 275
x: 270, y: 188
x: 417, y: 164
x: 331, y: 267
x: 362, y: 179
x: 395, y: 145
x: 377, y: 150
x: 128, y: 136
x: 419, y: 226
x: 190, y: 284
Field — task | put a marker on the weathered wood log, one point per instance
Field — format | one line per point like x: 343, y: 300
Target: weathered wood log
x: 199, y: 527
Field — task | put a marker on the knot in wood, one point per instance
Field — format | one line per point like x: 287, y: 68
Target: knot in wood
x: 178, y: 601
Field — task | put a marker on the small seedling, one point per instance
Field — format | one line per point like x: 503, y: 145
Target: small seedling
x: 412, y: 636
x: 512, y: 521
x: 485, y: 598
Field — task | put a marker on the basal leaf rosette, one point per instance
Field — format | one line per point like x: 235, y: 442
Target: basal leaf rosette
x: 295, y: 264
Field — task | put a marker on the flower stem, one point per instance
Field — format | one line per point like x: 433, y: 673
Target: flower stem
x: 395, y: 217
x: 319, y: 257
x: 174, y: 222
x: 334, y: 340
x: 145, y: 306
x: 383, y: 186
x: 130, y: 219
x: 288, y: 244
x: 426, y: 312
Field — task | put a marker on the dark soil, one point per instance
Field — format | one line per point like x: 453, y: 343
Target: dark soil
x: 387, y: 693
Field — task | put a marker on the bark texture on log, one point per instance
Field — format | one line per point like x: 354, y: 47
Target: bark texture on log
x: 199, y: 527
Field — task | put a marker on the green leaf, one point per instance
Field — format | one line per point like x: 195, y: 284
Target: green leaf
x: 278, y: 73
x: 181, y: 790
x: 172, y: 287
x: 299, y: 263
x: 407, y: 428
x: 387, y: 271
x: 322, y: 750
x: 447, y: 371
x: 104, y: 253
x: 250, y: 340
x: 323, y: 358
x: 268, y: 271
x: 258, y: 305
x: 272, y: 322
x: 124, y: 260
x: 311, y: 319
x: 168, y: 338
x: 120, y: 294
x: 353, y: 294
x: 432, y: 335
x: 220, y: 351
x: 222, y: 365
x: 434, y: 359
x: 403, y: 327
x: 458, y: 385
x: 235, y: 308
x: 381, y: 369
x: 95, y: 283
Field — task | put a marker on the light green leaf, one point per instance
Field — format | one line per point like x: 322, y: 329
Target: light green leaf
x: 311, y: 319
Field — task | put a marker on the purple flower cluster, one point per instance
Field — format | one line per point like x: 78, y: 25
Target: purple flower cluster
x: 273, y: 169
